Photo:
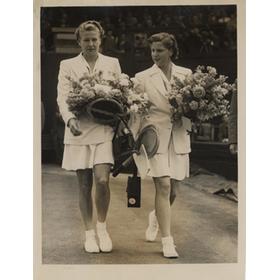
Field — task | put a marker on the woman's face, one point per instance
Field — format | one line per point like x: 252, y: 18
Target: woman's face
x: 160, y: 54
x: 90, y: 42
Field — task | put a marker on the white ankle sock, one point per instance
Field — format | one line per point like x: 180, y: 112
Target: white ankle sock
x: 167, y: 239
x: 90, y: 233
x: 101, y: 226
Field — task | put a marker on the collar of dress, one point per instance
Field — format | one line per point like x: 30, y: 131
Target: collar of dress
x: 84, y: 62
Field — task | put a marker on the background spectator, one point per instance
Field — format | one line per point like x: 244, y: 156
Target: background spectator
x: 199, y: 29
x: 109, y: 43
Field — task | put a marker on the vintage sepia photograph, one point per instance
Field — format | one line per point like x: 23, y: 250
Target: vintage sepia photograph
x: 139, y: 138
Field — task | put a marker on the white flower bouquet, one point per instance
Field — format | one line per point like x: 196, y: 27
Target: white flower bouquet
x: 120, y: 90
x: 200, y: 96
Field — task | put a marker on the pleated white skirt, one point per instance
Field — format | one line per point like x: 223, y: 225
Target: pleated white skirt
x: 86, y: 156
x: 176, y: 166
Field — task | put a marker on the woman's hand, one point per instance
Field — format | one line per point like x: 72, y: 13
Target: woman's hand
x: 233, y: 149
x: 177, y: 116
x: 73, y: 124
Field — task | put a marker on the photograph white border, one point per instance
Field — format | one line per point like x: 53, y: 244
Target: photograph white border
x: 177, y: 271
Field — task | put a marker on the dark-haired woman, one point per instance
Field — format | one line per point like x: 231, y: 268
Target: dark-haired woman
x: 88, y: 145
x: 170, y: 164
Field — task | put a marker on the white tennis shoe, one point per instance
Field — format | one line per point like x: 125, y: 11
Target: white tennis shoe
x: 152, y: 230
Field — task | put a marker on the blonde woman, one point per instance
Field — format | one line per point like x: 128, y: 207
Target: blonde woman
x: 88, y: 145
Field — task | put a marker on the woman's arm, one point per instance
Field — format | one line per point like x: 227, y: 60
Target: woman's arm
x: 63, y: 89
x: 135, y: 119
x: 118, y: 69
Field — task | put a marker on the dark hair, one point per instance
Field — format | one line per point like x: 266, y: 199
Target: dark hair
x: 89, y: 26
x: 168, y: 40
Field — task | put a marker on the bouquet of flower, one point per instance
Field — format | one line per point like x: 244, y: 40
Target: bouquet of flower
x: 200, y: 96
x: 92, y: 87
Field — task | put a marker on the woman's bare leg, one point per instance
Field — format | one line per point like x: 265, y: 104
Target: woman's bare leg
x: 162, y: 204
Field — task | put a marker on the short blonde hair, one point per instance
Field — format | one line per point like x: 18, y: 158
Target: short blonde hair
x: 89, y: 26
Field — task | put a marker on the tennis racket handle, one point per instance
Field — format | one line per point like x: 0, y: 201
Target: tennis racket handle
x: 124, y: 164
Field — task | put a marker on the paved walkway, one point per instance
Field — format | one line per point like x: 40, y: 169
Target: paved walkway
x: 204, y: 225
